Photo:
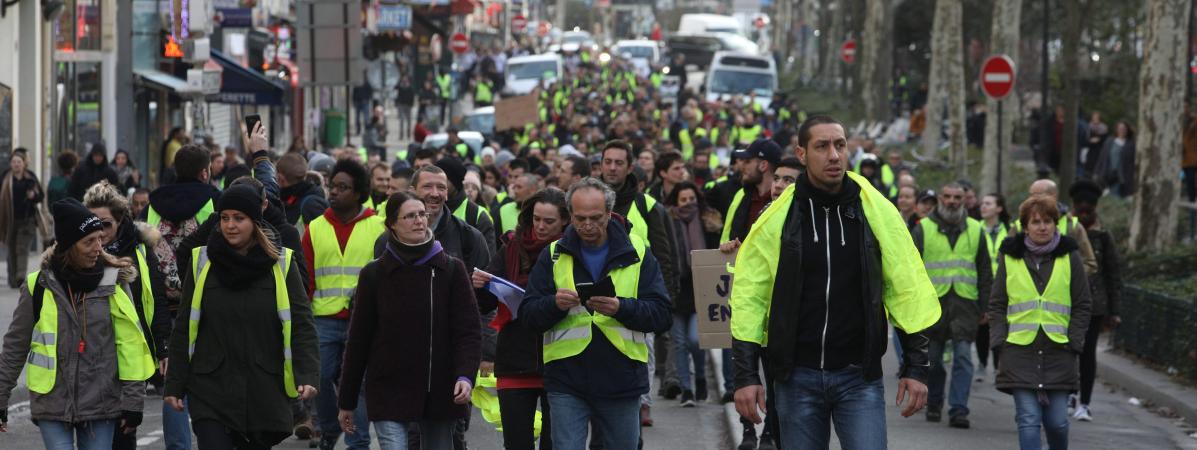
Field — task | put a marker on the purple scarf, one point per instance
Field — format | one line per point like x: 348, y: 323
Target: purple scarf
x: 1038, y: 253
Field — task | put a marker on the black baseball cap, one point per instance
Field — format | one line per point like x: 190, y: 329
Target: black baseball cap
x: 763, y: 148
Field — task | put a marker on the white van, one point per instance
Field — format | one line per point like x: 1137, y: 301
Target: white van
x: 733, y: 73
x: 524, y: 73
x: 642, y: 53
x: 710, y: 23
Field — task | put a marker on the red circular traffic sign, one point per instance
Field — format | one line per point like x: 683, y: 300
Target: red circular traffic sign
x: 518, y: 24
x: 848, y: 51
x: 997, y: 76
x: 459, y: 43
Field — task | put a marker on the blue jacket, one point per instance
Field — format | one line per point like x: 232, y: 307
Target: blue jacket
x: 600, y: 371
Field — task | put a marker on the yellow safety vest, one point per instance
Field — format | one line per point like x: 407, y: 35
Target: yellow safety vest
x: 907, y: 293
x: 446, y: 84
x: 572, y: 335
x: 482, y: 92
x: 509, y: 214
x: 460, y: 212
x: 201, y: 216
x: 952, y: 268
x: 379, y: 208
x: 748, y: 134
x: 993, y: 245
x: 485, y: 397
x: 134, y: 361
x: 687, y: 144
x: 731, y: 214
x: 282, y: 303
x: 336, y: 272
x: 1028, y: 310
x: 887, y: 178
x: 147, y: 291
x: 638, y: 221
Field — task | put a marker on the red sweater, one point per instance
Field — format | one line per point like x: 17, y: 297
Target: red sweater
x: 343, y: 230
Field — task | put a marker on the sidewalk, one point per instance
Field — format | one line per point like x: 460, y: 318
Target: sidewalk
x: 1146, y: 384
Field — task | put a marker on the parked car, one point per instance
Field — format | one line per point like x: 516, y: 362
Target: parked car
x: 481, y: 120
x: 524, y: 73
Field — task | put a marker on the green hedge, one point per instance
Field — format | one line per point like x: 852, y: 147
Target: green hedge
x: 1159, y: 329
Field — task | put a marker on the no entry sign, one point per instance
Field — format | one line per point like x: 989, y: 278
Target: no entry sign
x: 997, y: 76
x: 518, y: 24
x: 848, y: 51
x: 459, y: 43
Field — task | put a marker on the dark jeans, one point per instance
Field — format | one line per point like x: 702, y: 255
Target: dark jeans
x: 517, y: 408
x: 982, y: 341
x: 1089, y: 358
x: 1190, y: 187
x: 121, y: 441
x: 810, y: 400
x: 211, y: 435
x: 1031, y: 416
x: 332, y: 334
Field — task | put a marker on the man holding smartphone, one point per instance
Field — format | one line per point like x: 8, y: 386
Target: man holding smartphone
x: 596, y: 294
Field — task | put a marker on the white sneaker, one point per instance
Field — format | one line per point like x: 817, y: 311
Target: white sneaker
x: 1082, y: 414
x: 1073, y: 400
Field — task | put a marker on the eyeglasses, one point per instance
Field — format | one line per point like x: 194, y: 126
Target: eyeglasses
x: 411, y: 217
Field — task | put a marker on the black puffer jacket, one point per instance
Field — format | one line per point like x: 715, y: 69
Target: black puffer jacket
x: 89, y: 173
x: 1044, y: 364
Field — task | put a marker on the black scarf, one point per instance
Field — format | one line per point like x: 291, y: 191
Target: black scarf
x: 235, y: 270
x: 79, y: 281
x: 126, y: 240
x: 408, y: 253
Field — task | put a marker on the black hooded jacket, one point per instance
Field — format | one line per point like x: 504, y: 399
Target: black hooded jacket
x: 90, y: 173
x: 284, y: 235
x: 303, y: 199
x: 182, y: 200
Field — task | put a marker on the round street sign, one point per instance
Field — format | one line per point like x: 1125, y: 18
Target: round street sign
x: 848, y: 51
x: 518, y: 24
x: 459, y: 43
x: 997, y: 76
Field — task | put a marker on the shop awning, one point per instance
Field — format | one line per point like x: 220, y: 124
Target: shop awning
x: 243, y: 86
x: 161, y: 80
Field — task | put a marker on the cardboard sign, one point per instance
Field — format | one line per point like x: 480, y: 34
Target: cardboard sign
x: 515, y: 112
x: 712, y: 288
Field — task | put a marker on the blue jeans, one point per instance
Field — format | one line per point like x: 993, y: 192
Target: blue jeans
x: 95, y: 434
x: 571, y: 416
x: 176, y: 427
x: 1030, y: 415
x: 433, y: 434
x: 685, y: 348
x: 962, y: 377
x: 332, y: 334
x: 809, y: 399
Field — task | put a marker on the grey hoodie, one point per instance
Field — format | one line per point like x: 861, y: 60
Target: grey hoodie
x: 86, y: 386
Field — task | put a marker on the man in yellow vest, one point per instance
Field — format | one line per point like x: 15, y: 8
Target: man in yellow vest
x: 814, y: 282
x: 483, y: 91
x: 756, y: 171
x: 748, y: 130
x: 336, y: 246
x: 519, y: 188
x: 380, y: 187
x: 651, y: 223
x: 956, y: 256
x: 596, y: 294
x: 444, y: 83
x: 462, y: 207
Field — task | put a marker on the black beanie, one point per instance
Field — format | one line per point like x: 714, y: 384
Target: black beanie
x: 243, y: 198
x: 72, y: 223
x: 454, y: 171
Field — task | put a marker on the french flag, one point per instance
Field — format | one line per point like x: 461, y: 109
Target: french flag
x: 510, y: 297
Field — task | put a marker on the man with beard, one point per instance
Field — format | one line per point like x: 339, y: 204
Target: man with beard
x: 953, y: 250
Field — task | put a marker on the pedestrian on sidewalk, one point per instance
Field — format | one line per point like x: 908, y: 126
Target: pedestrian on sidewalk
x: 1038, y: 316
x: 1105, y: 287
x: 595, y: 346
x: 957, y: 260
x: 75, y: 325
x: 92, y: 170
x: 697, y: 228
x: 824, y: 355
x: 20, y: 195
x: 413, y: 341
x: 248, y: 346
x: 518, y: 354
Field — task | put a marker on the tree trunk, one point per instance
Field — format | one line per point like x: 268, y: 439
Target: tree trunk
x: 1161, y: 79
x: 1003, y: 40
x: 1070, y: 52
x: 946, y: 87
x: 875, y: 60
x: 833, y: 68
x: 810, y: 49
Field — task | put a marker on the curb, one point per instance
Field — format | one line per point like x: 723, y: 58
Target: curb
x: 1146, y: 383
x: 735, y: 430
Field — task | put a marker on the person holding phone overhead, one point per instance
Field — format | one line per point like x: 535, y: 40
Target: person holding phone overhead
x: 595, y: 339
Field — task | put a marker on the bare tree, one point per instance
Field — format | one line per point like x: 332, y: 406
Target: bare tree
x: 946, y: 88
x: 1071, y: 54
x: 876, y: 59
x: 1003, y: 40
x: 810, y: 51
x: 832, y: 67
x: 1161, y: 83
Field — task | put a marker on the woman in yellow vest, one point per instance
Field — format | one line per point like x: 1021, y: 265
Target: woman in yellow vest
x: 248, y: 346
x: 1038, y: 316
x: 414, y: 342
x: 76, y: 326
x: 995, y: 222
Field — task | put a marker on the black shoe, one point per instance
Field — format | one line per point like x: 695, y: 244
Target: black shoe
x: 687, y: 399
x: 749, y: 441
x: 728, y: 397
x: 700, y: 390
x: 959, y: 421
x: 766, y: 441
x: 934, y: 415
x: 672, y: 390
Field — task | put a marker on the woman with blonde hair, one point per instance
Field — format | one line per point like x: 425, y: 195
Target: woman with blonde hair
x: 75, y: 325
x: 248, y: 345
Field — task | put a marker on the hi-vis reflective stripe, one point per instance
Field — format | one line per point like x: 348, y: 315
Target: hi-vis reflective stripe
x: 338, y: 270
x: 954, y: 279
x: 1031, y: 305
x: 957, y: 264
x: 41, y: 360
x: 566, y: 334
x: 1049, y: 328
x: 43, y: 338
x: 334, y: 292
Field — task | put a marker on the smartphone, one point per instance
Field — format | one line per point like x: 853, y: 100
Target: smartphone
x: 250, y: 121
x: 585, y: 291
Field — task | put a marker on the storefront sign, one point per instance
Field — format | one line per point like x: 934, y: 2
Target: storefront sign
x: 394, y: 17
